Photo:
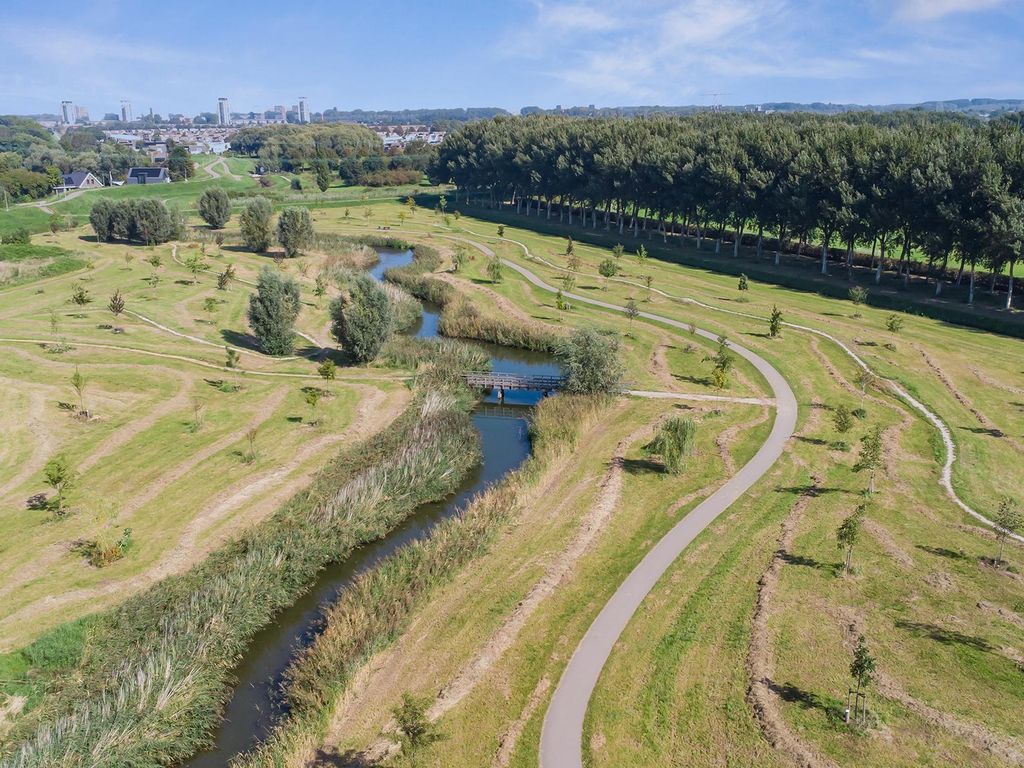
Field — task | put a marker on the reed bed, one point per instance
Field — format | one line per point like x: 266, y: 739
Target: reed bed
x: 157, y: 670
x: 437, y: 361
x: 376, y: 608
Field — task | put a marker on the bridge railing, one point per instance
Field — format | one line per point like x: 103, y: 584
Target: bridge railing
x: 488, y: 380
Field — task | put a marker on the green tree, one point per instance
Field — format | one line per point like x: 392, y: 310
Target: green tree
x: 494, y: 269
x: 272, y: 311
x: 323, y: 175
x: 723, y: 362
x: 862, y: 670
x: 570, y: 247
x: 215, y: 207
x: 775, y: 322
x: 894, y: 323
x: 858, y: 294
x: 79, y: 295
x: 116, y: 303
x: 1009, y: 521
x: 592, y: 362
x: 312, y: 397
x: 225, y: 277
x: 673, y: 443
x: 744, y: 283
x: 254, y: 223
x: 232, y: 357
x: 632, y: 311
x: 362, y: 320
x: 319, y: 288
x: 848, y: 533
x: 568, y: 282
x: 61, y: 476
x: 608, y: 269
x: 294, y: 231
x: 618, y: 249
x: 501, y: 230
x: 870, y: 457
x: 641, y: 256
x: 195, y: 263
x: 414, y: 726
x: 327, y: 370
x: 180, y: 165
x: 842, y: 419
x: 79, y: 383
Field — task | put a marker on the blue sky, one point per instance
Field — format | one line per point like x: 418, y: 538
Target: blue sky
x: 180, y: 56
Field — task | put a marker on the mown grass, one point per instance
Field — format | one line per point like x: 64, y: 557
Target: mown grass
x: 161, y: 662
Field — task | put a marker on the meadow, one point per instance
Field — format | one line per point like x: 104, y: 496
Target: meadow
x: 717, y: 666
x: 740, y: 655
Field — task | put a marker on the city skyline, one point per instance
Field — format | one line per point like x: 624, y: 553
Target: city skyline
x: 526, y: 52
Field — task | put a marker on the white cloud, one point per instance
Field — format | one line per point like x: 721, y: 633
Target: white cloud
x: 932, y: 10
x: 666, y: 50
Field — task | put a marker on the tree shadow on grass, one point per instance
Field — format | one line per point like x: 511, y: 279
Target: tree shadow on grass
x: 812, y: 440
x: 642, y: 466
x: 943, y: 552
x: 243, y: 340
x: 809, y: 562
x: 944, y: 636
x: 990, y: 431
x: 331, y: 758
x: 808, y: 700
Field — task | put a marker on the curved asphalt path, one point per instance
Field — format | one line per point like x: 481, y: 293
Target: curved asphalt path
x: 561, y: 740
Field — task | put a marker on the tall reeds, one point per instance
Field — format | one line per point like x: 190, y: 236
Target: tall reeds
x: 157, y: 669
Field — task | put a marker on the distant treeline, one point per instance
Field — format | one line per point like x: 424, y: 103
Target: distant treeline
x: 897, y: 182
x: 439, y: 118
x: 986, y: 107
x: 293, y: 147
x: 32, y: 160
x: 355, y: 153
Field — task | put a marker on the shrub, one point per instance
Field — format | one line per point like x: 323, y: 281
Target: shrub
x: 673, y: 442
x: 215, y: 207
x: 294, y: 231
x: 363, y: 320
x: 592, y: 363
x: 272, y: 311
x: 254, y: 222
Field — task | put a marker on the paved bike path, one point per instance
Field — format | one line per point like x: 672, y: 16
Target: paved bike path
x: 561, y: 744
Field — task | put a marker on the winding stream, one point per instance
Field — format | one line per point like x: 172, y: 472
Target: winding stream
x: 255, y: 704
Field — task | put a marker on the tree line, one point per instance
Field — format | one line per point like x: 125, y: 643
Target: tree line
x: 905, y: 185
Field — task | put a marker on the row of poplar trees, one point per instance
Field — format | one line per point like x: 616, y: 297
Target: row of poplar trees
x: 902, y: 184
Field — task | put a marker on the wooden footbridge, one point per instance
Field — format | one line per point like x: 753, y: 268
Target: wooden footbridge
x: 510, y: 381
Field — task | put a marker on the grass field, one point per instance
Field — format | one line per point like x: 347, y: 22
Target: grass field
x: 142, y: 462
x: 940, y: 619
x: 739, y: 656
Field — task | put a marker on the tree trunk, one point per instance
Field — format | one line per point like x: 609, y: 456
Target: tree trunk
x: 621, y: 219
x: 881, y: 261
x: 970, y: 289
x: 824, y: 256
x: 549, y: 208
x: 1009, y: 288
x: 699, y: 234
x: 737, y: 241
x: 760, y: 240
x: 960, y: 273
x: 941, y: 277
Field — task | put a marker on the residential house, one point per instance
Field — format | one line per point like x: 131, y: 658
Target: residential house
x: 77, y: 180
x: 148, y: 176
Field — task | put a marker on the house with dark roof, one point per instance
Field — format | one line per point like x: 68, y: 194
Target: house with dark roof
x: 148, y: 176
x: 77, y: 180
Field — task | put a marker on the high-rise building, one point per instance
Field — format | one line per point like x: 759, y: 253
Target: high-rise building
x: 303, y: 110
x: 126, y: 111
x: 280, y: 110
x: 67, y: 112
x: 81, y: 114
x: 223, y: 111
